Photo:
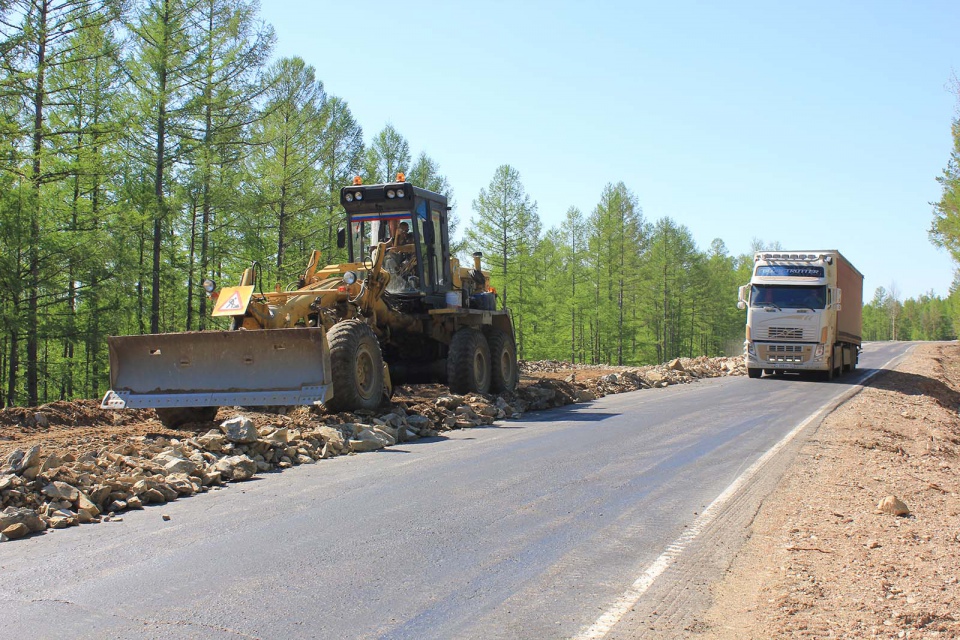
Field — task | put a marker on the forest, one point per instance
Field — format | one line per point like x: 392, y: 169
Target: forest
x: 148, y: 145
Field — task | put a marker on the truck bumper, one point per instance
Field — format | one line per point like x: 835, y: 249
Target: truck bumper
x: 785, y: 356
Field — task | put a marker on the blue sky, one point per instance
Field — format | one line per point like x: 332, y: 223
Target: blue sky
x: 821, y: 125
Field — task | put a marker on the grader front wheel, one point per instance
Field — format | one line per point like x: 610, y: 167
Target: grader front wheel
x: 357, y: 367
x: 468, y: 362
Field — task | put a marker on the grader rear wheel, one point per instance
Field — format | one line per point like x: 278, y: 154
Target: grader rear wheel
x: 357, y: 367
x: 173, y: 417
x: 503, y: 358
x: 468, y: 362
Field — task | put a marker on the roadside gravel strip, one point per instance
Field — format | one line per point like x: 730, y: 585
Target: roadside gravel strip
x: 70, y: 463
x: 861, y: 538
x: 631, y: 596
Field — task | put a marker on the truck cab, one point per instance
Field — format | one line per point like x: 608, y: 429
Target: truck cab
x: 795, y: 319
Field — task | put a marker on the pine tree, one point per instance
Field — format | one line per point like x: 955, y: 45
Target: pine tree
x: 234, y: 45
x: 387, y: 155
x: 286, y: 182
x: 504, y: 215
x: 341, y: 158
x: 166, y: 57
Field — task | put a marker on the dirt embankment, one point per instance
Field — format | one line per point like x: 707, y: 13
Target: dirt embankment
x: 69, y: 463
x: 823, y: 559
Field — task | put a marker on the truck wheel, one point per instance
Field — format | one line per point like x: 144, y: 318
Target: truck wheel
x: 503, y: 358
x: 468, y: 363
x: 754, y: 373
x: 356, y: 365
x: 173, y: 417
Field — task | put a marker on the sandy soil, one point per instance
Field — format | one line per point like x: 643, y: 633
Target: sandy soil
x: 821, y: 561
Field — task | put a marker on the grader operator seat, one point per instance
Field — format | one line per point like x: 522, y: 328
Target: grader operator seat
x: 417, y: 260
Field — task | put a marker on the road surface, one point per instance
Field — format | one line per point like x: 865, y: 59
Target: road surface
x: 542, y: 528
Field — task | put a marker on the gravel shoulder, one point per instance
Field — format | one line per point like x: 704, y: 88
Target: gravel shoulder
x: 822, y: 559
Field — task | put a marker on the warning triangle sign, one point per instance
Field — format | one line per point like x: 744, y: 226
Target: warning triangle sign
x: 233, y: 301
x: 232, y: 304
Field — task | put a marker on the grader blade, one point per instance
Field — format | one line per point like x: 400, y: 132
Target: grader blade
x: 219, y: 368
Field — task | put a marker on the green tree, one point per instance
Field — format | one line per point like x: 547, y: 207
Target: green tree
x: 945, y: 229
x: 505, y: 214
x: 233, y: 44
x: 341, y: 158
x: 285, y: 178
x: 162, y: 69
x: 387, y: 155
x: 38, y: 39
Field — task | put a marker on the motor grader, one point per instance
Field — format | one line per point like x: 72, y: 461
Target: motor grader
x: 402, y: 309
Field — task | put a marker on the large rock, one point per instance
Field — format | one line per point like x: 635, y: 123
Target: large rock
x: 84, y: 503
x: 26, y: 460
x: 16, y: 531
x: 419, y: 422
x: 212, y: 441
x: 61, y: 491
x: 654, y: 377
x: 13, y: 459
x: 369, y: 440
x: 333, y: 437
x: 449, y: 402
x: 180, y: 466
x: 52, y: 462
x: 676, y: 365
x: 29, y: 517
x: 236, y: 467
x: 240, y: 430
x: 279, y: 436
x: 894, y: 506
x: 7, y: 481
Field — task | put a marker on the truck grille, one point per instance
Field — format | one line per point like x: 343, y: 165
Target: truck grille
x: 786, y: 348
x: 786, y: 333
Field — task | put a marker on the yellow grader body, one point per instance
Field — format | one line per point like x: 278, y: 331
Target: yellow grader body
x: 402, y: 309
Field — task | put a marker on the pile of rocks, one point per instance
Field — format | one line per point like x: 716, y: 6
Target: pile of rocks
x: 54, y: 490
x: 622, y: 379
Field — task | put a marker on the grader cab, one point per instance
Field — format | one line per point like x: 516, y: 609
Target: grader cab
x: 402, y: 309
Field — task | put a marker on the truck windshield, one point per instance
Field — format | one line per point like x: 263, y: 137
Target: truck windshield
x: 788, y: 296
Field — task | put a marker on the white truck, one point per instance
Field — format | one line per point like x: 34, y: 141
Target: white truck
x: 804, y: 313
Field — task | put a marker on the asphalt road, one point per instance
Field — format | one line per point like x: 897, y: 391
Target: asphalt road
x: 526, y: 529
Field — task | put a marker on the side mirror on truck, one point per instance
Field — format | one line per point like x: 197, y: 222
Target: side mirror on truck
x: 341, y: 238
x: 743, y: 295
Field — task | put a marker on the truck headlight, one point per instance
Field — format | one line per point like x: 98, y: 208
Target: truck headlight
x: 818, y: 352
x: 391, y: 194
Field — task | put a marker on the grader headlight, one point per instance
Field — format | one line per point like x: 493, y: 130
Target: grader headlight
x: 349, y: 278
x: 209, y: 285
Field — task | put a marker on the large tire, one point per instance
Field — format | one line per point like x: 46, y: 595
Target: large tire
x: 357, y: 367
x: 174, y: 417
x: 468, y: 362
x: 504, y: 373
x: 754, y: 373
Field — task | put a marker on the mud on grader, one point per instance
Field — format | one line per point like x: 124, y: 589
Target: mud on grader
x: 402, y: 309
